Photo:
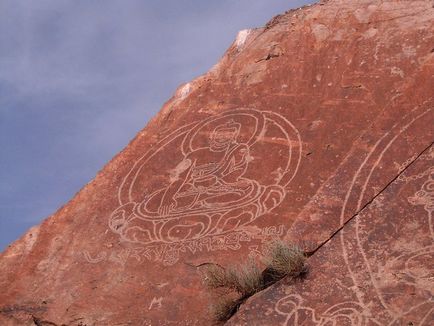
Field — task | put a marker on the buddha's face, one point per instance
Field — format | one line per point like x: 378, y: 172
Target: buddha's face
x: 221, y: 139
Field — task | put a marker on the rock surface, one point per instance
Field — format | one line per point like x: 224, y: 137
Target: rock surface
x: 317, y: 128
x: 378, y: 270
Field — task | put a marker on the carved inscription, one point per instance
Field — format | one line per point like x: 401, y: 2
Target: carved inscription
x: 203, y: 184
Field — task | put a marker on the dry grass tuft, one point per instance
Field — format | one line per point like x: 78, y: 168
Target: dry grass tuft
x: 245, y: 279
x: 215, y: 277
x: 283, y: 259
x: 224, y: 309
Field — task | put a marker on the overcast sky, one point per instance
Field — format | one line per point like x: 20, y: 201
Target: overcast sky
x: 79, y: 78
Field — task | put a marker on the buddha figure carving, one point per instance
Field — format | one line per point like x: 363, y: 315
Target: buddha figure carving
x: 207, y: 191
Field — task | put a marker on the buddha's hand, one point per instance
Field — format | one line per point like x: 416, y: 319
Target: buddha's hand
x: 167, y: 206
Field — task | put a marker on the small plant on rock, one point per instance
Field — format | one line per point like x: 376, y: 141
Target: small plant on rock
x: 235, y: 284
x: 224, y: 308
x: 284, y: 260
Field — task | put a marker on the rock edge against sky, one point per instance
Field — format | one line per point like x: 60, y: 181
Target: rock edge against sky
x: 316, y: 128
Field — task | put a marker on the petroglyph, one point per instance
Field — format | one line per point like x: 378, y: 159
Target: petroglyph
x: 404, y: 268
x: 410, y: 270
x: 99, y: 257
x: 156, y: 303
x: 345, y: 313
x: 208, y: 188
x: 425, y: 197
x: 162, y: 285
x: 169, y: 254
x: 353, y: 245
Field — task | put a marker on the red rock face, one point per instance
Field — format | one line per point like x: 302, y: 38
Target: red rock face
x: 317, y: 128
x: 210, y: 188
x: 378, y: 270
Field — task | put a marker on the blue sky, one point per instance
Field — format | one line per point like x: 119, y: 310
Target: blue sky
x: 79, y: 78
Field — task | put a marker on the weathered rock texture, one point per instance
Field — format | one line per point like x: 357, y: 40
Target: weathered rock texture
x: 317, y: 128
x: 377, y: 270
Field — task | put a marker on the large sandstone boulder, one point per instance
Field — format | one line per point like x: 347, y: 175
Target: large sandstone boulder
x: 376, y: 270
x: 316, y: 128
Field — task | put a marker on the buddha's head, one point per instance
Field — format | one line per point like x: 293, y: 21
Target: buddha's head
x: 224, y: 135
